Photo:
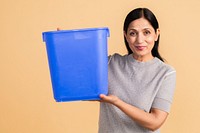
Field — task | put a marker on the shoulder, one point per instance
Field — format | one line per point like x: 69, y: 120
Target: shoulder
x: 166, y: 67
x: 116, y: 58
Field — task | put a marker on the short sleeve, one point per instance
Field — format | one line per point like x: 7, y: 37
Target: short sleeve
x: 164, y: 97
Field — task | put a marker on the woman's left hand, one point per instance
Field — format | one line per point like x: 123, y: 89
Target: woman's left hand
x: 109, y: 99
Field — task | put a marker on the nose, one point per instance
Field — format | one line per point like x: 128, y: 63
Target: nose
x: 140, y: 38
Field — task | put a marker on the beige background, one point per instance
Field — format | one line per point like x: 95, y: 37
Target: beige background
x: 26, y: 102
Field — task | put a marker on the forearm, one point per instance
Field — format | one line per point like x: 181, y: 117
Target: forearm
x: 151, y: 121
x: 145, y: 119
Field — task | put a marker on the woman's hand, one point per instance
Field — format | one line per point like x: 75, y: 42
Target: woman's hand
x: 58, y: 29
x: 109, y: 99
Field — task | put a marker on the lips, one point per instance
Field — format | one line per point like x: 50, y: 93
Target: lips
x: 140, y: 47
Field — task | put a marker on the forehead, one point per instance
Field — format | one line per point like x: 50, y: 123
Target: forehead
x: 140, y: 23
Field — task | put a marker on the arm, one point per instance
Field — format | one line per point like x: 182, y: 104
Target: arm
x: 152, y: 120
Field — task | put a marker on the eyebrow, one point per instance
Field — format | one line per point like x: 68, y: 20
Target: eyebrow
x: 142, y: 29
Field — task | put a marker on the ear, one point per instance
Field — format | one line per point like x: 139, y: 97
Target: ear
x: 157, y: 34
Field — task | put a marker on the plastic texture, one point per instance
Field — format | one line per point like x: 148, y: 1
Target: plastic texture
x: 78, y: 63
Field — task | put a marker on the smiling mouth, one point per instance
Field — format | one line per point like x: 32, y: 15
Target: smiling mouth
x: 140, y: 47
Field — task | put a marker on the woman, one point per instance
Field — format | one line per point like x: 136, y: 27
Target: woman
x: 141, y: 85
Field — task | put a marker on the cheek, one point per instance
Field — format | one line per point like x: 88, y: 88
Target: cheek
x: 131, y: 40
x: 150, y: 40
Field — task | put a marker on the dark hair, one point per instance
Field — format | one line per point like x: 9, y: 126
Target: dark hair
x: 148, y: 15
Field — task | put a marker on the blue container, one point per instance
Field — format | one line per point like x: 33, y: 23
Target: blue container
x: 78, y: 63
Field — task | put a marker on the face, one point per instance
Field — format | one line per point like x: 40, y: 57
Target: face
x: 141, y: 37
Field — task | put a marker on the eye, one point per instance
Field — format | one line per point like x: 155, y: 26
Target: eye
x: 132, y: 33
x: 147, y: 32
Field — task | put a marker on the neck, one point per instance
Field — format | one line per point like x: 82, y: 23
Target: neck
x: 143, y: 58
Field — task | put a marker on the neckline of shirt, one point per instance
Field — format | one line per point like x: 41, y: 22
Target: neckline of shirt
x: 142, y: 64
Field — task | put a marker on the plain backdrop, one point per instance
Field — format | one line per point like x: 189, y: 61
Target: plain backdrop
x: 26, y: 99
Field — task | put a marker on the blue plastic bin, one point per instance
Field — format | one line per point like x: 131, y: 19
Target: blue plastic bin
x: 78, y: 63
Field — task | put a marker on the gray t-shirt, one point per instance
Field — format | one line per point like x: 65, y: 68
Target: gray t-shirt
x: 144, y: 85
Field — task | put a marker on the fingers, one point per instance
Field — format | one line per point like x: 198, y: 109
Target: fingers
x: 58, y: 29
x: 102, y: 96
x: 105, y: 98
x: 109, y: 99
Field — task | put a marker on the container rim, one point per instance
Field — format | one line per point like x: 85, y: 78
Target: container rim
x: 74, y: 30
x: 77, y: 30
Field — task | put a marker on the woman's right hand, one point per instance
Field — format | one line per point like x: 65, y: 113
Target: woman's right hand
x: 58, y: 29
